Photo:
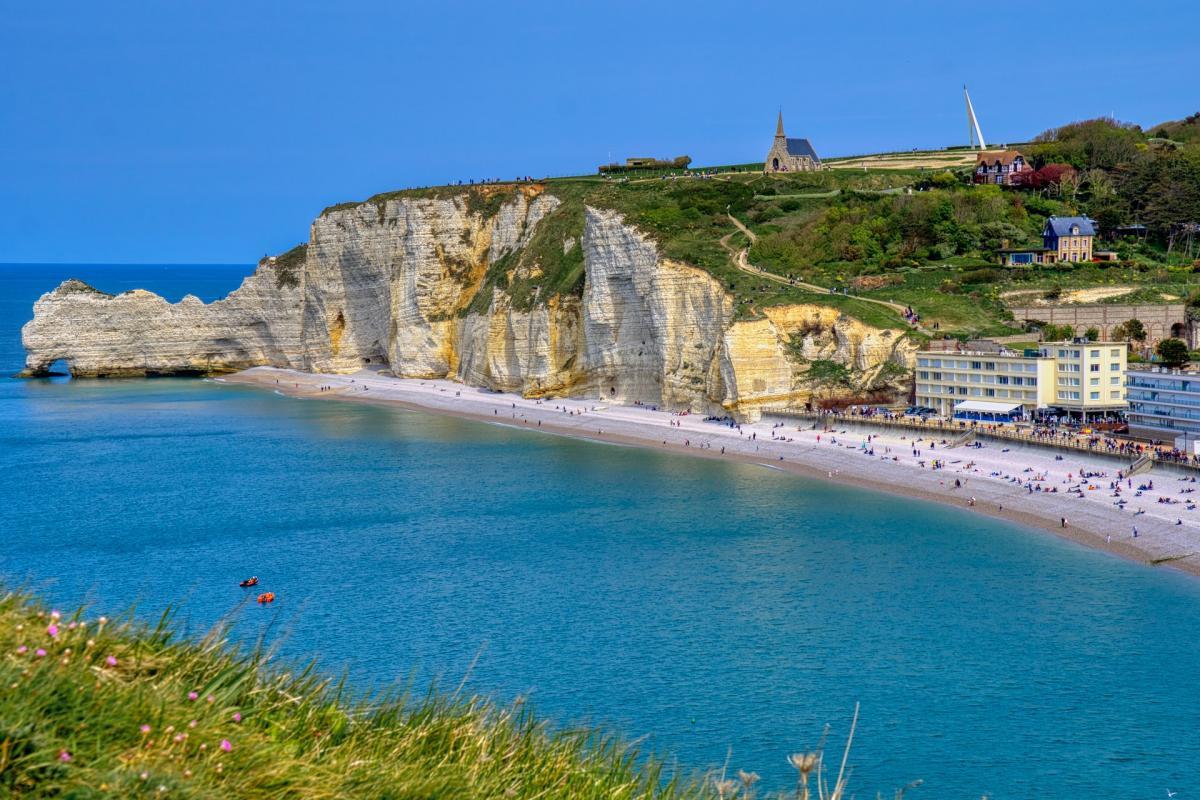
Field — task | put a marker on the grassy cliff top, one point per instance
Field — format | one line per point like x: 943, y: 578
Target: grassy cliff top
x: 99, y: 709
x: 906, y: 228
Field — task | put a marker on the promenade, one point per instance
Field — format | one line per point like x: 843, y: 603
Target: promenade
x: 1096, y: 443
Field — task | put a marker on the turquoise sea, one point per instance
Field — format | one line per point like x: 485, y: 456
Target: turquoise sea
x: 718, y: 610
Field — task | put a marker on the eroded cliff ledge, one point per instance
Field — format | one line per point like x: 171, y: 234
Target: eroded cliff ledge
x: 425, y: 287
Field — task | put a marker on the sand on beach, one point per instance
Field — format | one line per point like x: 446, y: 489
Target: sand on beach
x: 994, y: 478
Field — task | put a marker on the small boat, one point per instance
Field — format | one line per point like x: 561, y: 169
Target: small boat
x: 249, y: 582
x: 266, y: 597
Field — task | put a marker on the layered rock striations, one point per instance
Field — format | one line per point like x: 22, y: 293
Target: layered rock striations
x: 139, y: 333
x: 420, y: 286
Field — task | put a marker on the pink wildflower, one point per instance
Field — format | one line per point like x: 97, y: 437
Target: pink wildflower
x: 179, y: 737
x: 237, y: 716
x: 40, y: 653
x: 192, y: 695
x: 145, y: 729
x: 64, y: 756
x: 111, y: 661
x: 22, y: 650
x: 192, y: 724
x: 225, y: 745
x: 55, y: 615
x: 52, y: 629
x: 70, y: 626
x: 211, y: 699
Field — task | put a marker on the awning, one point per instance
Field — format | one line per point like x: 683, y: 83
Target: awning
x: 984, y: 407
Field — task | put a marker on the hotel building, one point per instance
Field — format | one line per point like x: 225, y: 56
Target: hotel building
x: 1077, y: 378
x: 1163, y: 403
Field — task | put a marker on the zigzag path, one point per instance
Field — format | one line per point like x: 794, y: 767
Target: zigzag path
x: 741, y: 261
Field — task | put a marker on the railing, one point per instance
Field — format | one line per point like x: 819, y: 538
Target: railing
x: 1144, y: 463
x: 965, y: 437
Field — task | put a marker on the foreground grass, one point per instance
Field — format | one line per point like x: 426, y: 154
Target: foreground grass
x: 91, y: 708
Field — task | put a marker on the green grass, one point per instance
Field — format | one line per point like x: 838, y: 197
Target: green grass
x: 289, y: 265
x: 71, y: 726
x: 828, y: 228
x: 92, y: 708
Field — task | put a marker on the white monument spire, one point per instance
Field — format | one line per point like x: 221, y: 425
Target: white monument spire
x: 973, y: 130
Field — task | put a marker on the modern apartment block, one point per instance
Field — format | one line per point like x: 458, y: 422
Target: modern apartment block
x: 1089, y: 376
x: 1163, y: 403
x: 1077, y: 378
x: 1006, y: 380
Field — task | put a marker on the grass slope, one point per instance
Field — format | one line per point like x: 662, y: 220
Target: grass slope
x: 908, y: 228
x: 96, y: 709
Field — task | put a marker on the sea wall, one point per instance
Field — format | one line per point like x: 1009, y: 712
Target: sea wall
x: 397, y: 284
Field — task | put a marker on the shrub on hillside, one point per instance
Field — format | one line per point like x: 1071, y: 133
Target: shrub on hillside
x: 986, y: 275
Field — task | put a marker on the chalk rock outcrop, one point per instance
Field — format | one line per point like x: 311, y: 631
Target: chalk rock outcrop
x: 418, y: 285
x: 651, y: 327
x: 140, y: 333
x: 767, y: 361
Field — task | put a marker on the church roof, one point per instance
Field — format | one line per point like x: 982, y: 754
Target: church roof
x: 801, y: 147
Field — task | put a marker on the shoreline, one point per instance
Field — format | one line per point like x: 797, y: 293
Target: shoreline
x: 994, y: 476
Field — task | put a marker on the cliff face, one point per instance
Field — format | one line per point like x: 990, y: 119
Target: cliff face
x: 140, y: 333
x: 402, y: 283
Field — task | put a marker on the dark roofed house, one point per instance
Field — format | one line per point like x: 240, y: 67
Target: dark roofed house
x: 1070, y: 237
x: 790, y: 155
x: 1063, y: 239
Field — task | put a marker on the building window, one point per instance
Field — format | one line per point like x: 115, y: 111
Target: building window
x: 1095, y: 395
x: 1095, y: 368
x: 1095, y: 354
x: 1114, y: 367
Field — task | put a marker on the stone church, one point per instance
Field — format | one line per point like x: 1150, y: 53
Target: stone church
x: 790, y: 155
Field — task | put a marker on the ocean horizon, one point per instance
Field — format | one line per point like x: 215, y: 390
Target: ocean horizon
x: 723, y: 611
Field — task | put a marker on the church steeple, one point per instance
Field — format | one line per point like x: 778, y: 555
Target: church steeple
x: 779, y: 126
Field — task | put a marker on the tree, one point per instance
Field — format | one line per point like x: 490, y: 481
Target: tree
x: 1135, y: 330
x: 1173, y: 352
x: 1130, y: 330
x: 1092, y: 334
x: 1057, y: 333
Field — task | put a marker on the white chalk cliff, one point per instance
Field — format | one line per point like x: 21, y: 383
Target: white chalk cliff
x: 402, y: 283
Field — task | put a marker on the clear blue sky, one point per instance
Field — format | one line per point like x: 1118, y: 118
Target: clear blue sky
x: 215, y: 131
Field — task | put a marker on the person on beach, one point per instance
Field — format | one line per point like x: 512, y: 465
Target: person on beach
x: 1063, y: 522
x: 1135, y: 531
